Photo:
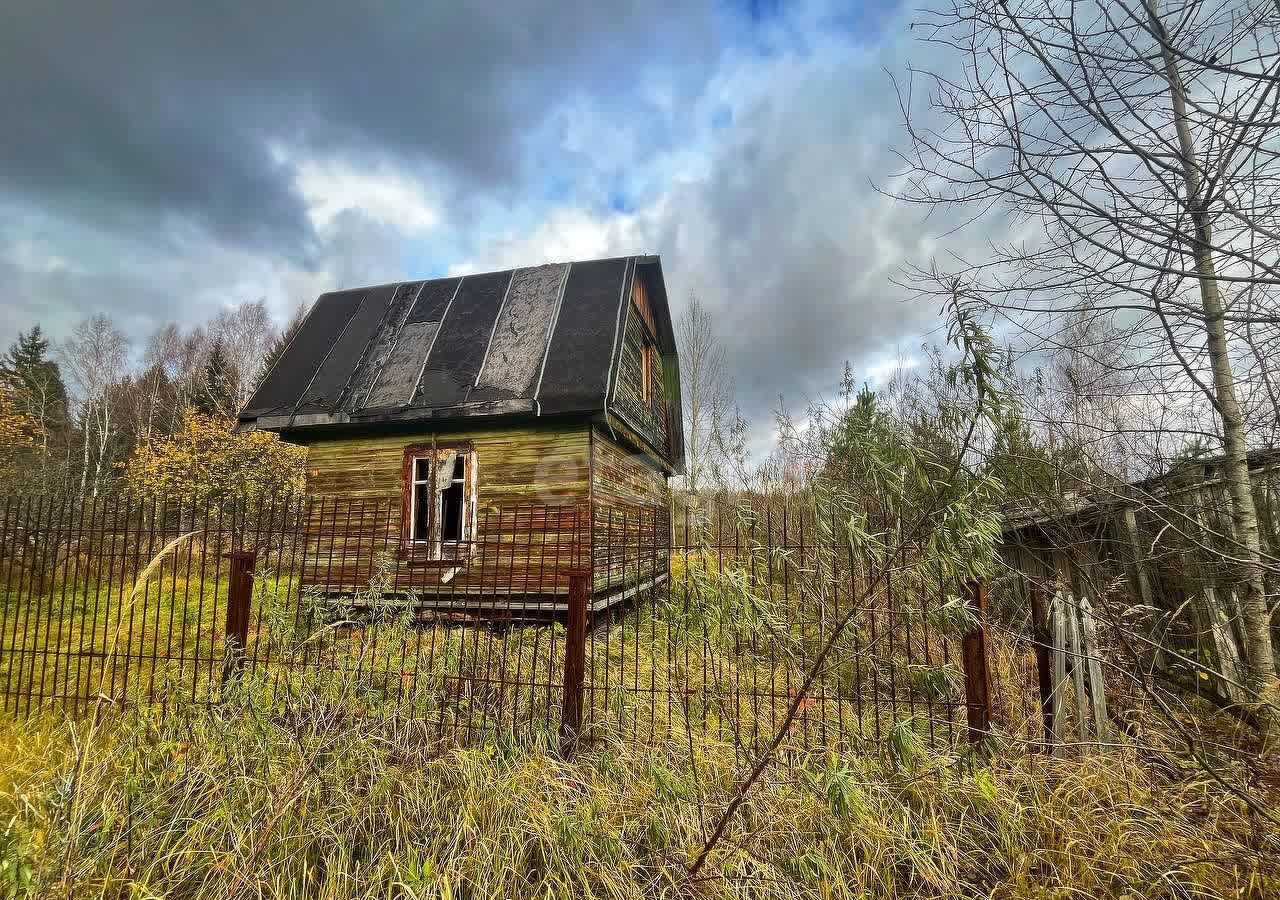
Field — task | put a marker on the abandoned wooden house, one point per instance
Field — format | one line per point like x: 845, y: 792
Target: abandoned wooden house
x: 474, y: 441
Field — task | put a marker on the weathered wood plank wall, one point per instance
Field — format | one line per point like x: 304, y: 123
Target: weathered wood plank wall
x: 541, y: 492
x: 532, y: 484
x: 631, y: 528
x: 647, y: 417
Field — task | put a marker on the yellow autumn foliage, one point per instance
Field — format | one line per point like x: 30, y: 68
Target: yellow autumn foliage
x: 204, y: 460
x: 18, y: 432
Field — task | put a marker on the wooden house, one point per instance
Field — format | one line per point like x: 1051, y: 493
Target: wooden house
x: 475, y: 440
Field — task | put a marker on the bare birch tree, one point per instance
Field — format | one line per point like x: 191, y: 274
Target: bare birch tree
x: 247, y: 335
x: 1136, y: 146
x: 94, y: 358
x: 702, y: 378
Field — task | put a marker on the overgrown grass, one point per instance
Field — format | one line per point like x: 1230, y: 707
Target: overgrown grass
x: 100, y: 640
x: 399, y: 768
x: 245, y: 802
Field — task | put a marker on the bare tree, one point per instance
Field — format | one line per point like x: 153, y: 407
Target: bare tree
x: 94, y: 358
x: 1137, y: 146
x: 153, y: 394
x: 246, y: 334
x: 192, y: 354
x: 702, y: 377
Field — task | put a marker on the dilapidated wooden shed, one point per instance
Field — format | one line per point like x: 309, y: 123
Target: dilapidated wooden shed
x: 476, y: 439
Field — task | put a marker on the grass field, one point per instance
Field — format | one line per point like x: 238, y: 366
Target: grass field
x: 241, y: 803
x: 401, y: 761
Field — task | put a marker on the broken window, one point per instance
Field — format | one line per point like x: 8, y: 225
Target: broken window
x: 453, y: 501
x: 440, y: 497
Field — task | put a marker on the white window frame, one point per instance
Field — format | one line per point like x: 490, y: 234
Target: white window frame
x: 414, y: 483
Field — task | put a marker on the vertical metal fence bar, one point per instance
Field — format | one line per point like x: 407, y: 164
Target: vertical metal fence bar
x: 931, y: 702
x: 890, y: 621
x: 8, y: 545
x: 151, y: 550
x: 239, y: 604
x: 574, y: 660
x: 15, y: 516
x: 47, y: 591
x: 173, y: 530
x: 201, y: 539
x: 71, y: 576
x: 44, y: 601
x: 264, y: 520
x: 27, y: 598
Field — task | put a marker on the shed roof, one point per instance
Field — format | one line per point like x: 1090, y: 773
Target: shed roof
x: 542, y: 340
x: 1075, y: 508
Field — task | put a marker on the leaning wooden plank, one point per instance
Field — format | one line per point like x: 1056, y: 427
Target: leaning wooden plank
x: 1224, y: 646
x: 1130, y: 522
x: 1042, y: 631
x: 1225, y: 650
x: 1077, y: 668
x: 1058, y: 620
x: 1097, y: 691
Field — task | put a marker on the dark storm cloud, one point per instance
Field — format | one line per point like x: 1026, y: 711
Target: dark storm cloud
x: 136, y: 114
x: 141, y: 134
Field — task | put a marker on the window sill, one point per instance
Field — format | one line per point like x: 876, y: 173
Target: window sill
x: 427, y: 557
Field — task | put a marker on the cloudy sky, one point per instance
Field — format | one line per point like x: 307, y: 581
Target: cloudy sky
x: 162, y: 160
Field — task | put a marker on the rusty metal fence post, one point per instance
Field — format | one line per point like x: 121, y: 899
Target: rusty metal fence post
x: 575, y: 657
x: 977, y: 670
x: 239, y: 596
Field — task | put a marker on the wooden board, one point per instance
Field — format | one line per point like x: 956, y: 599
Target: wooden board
x: 646, y: 413
x: 544, y: 495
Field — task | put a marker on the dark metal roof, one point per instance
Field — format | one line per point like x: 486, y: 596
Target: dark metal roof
x: 528, y: 342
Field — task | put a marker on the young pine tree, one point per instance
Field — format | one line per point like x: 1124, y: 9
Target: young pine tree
x: 35, y: 391
x: 218, y: 394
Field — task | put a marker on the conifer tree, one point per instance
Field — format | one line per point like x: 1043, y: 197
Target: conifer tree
x: 218, y: 397
x: 35, y: 393
x: 34, y: 381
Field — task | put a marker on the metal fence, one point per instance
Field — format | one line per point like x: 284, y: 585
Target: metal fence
x: 568, y: 621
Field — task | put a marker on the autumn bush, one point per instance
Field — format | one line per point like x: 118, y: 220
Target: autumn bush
x: 18, y: 433
x: 205, y: 460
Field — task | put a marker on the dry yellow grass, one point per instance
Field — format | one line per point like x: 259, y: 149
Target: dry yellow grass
x: 322, y: 790
x: 242, y: 804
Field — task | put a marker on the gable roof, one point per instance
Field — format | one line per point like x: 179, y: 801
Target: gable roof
x: 534, y: 341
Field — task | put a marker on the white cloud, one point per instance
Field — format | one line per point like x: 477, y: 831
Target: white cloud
x: 566, y: 233
x: 880, y: 371
x: 330, y: 188
x: 33, y: 256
